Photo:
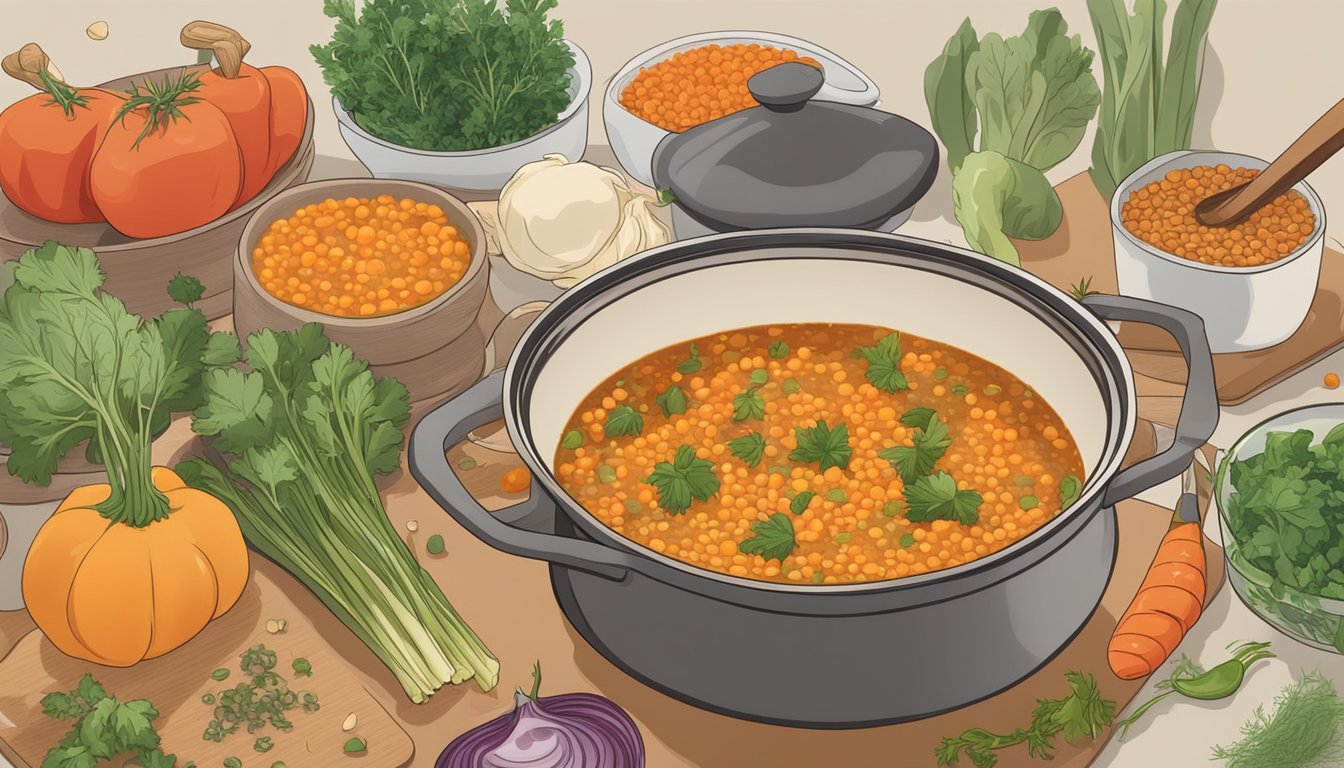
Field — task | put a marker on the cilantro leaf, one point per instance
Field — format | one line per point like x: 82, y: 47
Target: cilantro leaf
x: 62, y: 706
x: 779, y: 349
x: 72, y: 756
x: 672, y: 401
x: 691, y: 364
x: 685, y: 478
x: 132, y: 725
x: 799, y: 504
x: 96, y: 732
x: 771, y: 539
x: 90, y: 691
x: 1070, y: 488
x: 823, y: 445
x: 935, y: 497
x: 748, y: 448
x: 759, y: 376
x: 748, y: 405
x: 930, y: 441
x: 624, y: 421
x: 185, y: 289
x: 884, y: 363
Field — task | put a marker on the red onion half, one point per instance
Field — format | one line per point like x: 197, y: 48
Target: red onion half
x: 572, y: 730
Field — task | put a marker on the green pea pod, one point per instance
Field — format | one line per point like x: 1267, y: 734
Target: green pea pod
x: 995, y: 198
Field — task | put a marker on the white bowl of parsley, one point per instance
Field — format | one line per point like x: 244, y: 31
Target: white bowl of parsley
x: 1280, y: 496
x: 460, y: 95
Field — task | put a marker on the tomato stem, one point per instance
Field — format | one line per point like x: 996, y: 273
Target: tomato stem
x: 62, y: 94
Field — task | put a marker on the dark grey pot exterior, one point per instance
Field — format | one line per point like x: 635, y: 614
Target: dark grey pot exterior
x: 880, y: 653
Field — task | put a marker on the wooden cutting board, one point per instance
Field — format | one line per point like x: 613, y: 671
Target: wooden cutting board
x: 1083, y: 248
x: 176, y: 682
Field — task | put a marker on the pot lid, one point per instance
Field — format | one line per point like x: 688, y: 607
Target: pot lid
x: 792, y: 162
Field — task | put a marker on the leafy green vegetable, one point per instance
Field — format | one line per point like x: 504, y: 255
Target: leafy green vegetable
x: 1284, y: 515
x: 624, y: 421
x: 185, y: 290
x: 262, y: 699
x: 103, y: 728
x: 1148, y: 106
x: 1029, y: 98
x: 685, y: 478
x: 800, y: 502
x: 823, y: 445
x: 75, y: 366
x: 930, y: 441
x: 748, y: 405
x: 779, y: 349
x: 771, y: 539
x: 1069, y: 490
x: 447, y: 75
x: 691, y: 364
x: 884, y: 364
x: 307, y: 428
x: 935, y: 497
x: 1081, y: 714
x: 573, y: 439
x: 1303, y: 731
x: 672, y: 401
x: 748, y: 448
x: 759, y: 376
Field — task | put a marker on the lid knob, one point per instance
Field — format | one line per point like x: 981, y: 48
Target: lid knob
x: 785, y: 87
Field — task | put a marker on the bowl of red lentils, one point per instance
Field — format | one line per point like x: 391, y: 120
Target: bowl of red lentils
x: 395, y: 270
x: 1252, y: 283
x: 692, y: 80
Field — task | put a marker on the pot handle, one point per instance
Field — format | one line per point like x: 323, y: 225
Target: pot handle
x: 448, y: 425
x: 1199, y: 411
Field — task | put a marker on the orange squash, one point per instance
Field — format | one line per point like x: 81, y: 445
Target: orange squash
x: 118, y: 592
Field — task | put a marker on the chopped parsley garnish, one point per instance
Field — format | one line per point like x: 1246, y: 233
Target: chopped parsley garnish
x: 935, y: 497
x: 684, y: 478
x: 930, y: 442
x: 692, y: 363
x: 1070, y: 488
x: 790, y: 386
x: 759, y: 376
x: 779, y: 350
x: 893, y: 508
x: 673, y: 401
x: 748, y: 405
x: 800, y: 502
x: 884, y: 364
x: 827, y: 447
x: 907, y: 541
x: 624, y: 421
x: 748, y: 448
x: 772, y: 539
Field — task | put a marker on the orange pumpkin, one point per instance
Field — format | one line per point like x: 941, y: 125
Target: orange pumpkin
x: 113, y: 593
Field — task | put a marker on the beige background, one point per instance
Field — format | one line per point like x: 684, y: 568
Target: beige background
x: 1268, y: 75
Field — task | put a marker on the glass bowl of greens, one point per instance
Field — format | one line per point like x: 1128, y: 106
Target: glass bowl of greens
x: 1280, y: 497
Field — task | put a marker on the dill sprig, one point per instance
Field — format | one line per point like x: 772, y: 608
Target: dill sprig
x: 1304, y: 730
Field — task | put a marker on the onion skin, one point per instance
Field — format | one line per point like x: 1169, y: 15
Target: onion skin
x: 572, y: 730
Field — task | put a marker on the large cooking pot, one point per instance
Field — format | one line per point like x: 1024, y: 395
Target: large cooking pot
x: 823, y: 656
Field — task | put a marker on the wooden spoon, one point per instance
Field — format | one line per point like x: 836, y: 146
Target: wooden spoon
x: 1324, y: 138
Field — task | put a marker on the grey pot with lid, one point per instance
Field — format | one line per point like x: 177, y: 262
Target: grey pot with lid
x: 795, y: 161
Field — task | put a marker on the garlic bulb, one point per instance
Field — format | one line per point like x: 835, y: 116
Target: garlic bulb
x: 564, y: 221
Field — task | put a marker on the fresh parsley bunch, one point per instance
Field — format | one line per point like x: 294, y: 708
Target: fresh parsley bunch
x: 448, y: 75
x: 103, y: 729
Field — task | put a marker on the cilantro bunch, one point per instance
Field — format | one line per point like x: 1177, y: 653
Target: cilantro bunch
x: 306, y: 429
x: 447, y: 75
x: 103, y: 729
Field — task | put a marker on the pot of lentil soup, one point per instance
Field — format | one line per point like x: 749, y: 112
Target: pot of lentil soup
x: 887, y: 464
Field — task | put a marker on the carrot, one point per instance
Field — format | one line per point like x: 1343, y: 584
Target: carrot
x: 242, y: 93
x: 1168, y: 603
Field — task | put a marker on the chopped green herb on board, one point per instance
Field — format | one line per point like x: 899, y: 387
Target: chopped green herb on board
x: 1081, y: 714
x: 884, y: 364
x: 624, y: 421
x: 103, y: 729
x: 302, y: 668
x: 823, y: 445
x: 434, y: 545
x: 771, y: 539
x: 748, y: 448
x: 262, y: 699
x: 682, y: 480
x: 355, y: 746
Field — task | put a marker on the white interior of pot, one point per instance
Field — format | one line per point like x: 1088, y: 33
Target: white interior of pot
x: 776, y: 291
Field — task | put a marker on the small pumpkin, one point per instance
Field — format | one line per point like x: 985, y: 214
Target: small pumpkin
x: 118, y: 591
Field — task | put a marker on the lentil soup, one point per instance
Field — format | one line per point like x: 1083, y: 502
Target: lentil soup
x: 818, y: 454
